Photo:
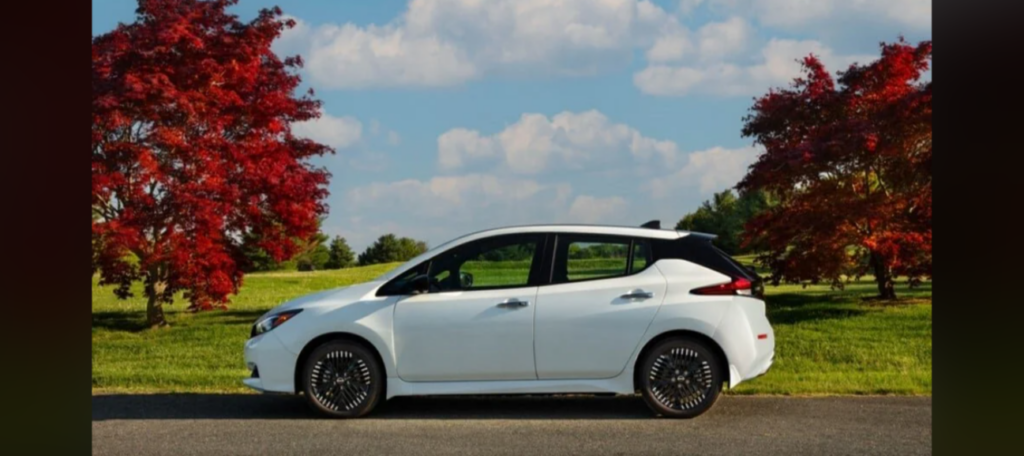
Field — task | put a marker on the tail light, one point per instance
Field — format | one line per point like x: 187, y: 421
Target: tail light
x: 738, y: 286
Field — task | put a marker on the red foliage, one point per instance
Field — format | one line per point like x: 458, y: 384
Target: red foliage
x: 851, y: 166
x: 192, y: 153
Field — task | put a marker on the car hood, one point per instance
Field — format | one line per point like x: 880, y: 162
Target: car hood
x: 332, y: 297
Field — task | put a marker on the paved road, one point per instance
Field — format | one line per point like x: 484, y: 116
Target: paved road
x: 531, y: 426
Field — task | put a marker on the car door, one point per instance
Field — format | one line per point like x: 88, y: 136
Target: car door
x: 476, y: 323
x: 602, y: 297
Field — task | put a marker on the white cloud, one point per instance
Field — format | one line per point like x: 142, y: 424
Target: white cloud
x: 447, y: 42
x: 708, y: 171
x: 443, y: 207
x: 442, y: 195
x: 588, y: 209
x: 687, y: 6
x: 394, y: 138
x: 337, y: 132
x: 435, y: 43
x: 777, y: 67
x: 570, y: 140
x: 720, y: 39
x: 790, y: 14
x: 354, y: 57
x: 293, y: 41
x: 458, y: 145
x: 670, y: 47
x: 713, y: 41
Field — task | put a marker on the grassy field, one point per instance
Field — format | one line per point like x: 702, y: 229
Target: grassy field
x: 828, y: 342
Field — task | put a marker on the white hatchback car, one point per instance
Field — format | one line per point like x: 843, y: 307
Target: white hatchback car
x: 527, y: 310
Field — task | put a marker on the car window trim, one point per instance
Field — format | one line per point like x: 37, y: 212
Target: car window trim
x: 539, y: 251
x: 629, y: 269
x: 647, y: 256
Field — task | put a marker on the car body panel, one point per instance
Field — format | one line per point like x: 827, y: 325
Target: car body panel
x: 534, y: 349
x: 586, y: 330
x: 462, y: 336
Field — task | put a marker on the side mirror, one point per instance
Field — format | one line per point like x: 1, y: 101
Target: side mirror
x: 420, y: 284
x: 465, y: 280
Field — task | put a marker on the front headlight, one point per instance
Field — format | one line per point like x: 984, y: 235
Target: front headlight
x: 272, y: 321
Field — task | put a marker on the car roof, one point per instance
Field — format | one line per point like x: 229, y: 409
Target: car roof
x: 632, y: 231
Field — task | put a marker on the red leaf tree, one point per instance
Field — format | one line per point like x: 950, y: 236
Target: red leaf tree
x: 193, y: 158
x: 851, y: 166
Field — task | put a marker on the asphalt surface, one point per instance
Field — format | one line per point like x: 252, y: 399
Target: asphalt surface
x: 242, y: 424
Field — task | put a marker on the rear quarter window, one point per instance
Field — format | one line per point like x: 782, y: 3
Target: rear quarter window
x: 700, y: 250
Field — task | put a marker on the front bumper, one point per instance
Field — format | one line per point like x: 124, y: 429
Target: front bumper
x: 255, y: 384
x: 276, y: 365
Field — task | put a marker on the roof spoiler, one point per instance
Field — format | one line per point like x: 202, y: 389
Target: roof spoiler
x: 700, y: 235
x: 656, y: 225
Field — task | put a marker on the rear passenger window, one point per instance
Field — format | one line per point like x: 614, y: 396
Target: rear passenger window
x: 581, y: 257
x: 596, y: 260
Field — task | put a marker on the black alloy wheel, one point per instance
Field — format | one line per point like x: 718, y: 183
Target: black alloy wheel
x: 343, y: 379
x: 681, y: 378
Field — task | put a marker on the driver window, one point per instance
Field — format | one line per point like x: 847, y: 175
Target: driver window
x: 500, y: 262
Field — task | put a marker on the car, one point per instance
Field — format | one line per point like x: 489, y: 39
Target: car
x: 540, y: 309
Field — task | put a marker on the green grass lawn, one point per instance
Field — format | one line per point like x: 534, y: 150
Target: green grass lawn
x: 828, y: 342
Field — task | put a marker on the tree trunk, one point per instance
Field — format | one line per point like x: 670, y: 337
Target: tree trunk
x: 883, y: 277
x: 155, y: 312
x: 155, y: 306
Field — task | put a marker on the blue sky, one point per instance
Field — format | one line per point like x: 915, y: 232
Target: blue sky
x: 450, y: 116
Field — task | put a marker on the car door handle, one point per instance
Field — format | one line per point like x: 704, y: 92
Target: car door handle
x: 638, y: 294
x: 513, y: 302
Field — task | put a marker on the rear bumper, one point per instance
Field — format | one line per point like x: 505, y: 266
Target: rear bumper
x: 747, y: 339
x: 765, y: 365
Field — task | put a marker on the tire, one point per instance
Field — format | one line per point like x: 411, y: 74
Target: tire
x: 342, y: 379
x: 680, y: 378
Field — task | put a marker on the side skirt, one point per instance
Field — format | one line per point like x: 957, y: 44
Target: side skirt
x: 623, y: 384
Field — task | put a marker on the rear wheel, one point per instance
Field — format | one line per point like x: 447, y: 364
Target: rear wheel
x: 680, y: 378
x: 342, y: 379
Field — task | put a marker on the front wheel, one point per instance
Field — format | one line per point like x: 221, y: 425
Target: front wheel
x: 342, y: 379
x: 680, y: 378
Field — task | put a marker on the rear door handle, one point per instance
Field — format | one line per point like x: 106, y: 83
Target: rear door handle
x: 513, y: 302
x: 638, y: 294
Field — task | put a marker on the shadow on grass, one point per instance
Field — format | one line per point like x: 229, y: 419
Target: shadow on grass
x: 119, y: 321
x: 269, y: 406
x: 792, y: 308
x: 135, y: 321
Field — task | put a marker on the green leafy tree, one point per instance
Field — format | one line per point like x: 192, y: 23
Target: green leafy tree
x: 725, y: 215
x: 314, y: 254
x: 517, y: 252
x: 340, y: 255
x: 257, y: 259
x: 390, y: 248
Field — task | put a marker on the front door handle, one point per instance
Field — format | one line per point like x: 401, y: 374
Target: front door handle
x: 513, y: 302
x: 638, y: 294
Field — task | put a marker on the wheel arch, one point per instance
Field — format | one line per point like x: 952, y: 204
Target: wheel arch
x: 682, y: 333
x: 300, y: 362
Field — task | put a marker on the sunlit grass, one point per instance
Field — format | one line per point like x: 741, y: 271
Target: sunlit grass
x: 828, y: 341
